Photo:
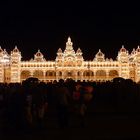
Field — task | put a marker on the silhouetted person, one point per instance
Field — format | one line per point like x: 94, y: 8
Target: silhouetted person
x: 62, y: 104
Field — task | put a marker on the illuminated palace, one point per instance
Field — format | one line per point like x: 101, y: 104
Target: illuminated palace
x: 69, y: 64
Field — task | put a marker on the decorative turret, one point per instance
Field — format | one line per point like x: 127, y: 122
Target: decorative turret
x: 123, y: 50
x: 132, y: 55
x: 6, y: 57
x: 123, y: 58
x: 1, y: 53
x: 133, y: 51
x: 4, y: 65
x: 100, y: 56
x: 1, y: 50
x: 39, y: 56
x: 15, y: 65
x: 15, y: 50
x: 59, y: 54
x: 138, y: 50
x: 79, y: 57
x: 79, y: 54
x: 69, y: 48
x: 69, y: 44
x: 138, y: 54
x: 123, y: 55
x: 15, y: 55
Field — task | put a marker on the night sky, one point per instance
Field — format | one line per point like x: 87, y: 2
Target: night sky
x: 91, y: 25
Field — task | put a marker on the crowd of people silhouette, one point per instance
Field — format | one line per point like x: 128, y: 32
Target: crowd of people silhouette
x: 28, y: 105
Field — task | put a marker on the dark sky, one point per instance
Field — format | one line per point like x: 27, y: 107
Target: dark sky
x: 91, y: 25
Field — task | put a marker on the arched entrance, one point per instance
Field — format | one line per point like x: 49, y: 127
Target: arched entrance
x: 59, y: 76
x: 88, y: 75
x: 50, y: 75
x: 132, y: 74
x: 38, y: 74
x: 25, y: 74
x: 101, y: 75
x: 69, y: 75
x: 113, y: 74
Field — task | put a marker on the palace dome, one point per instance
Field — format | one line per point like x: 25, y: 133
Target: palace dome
x: 138, y: 49
x: 15, y: 50
x: 123, y: 49
x: 100, y: 54
x: 38, y: 54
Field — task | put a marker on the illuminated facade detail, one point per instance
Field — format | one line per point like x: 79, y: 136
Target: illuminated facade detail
x: 69, y: 64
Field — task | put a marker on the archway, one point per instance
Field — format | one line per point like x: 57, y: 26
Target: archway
x: 25, y: 74
x: 59, y: 76
x: 132, y: 74
x: 101, y: 75
x: 38, y: 74
x: 113, y: 74
x: 88, y: 75
x: 51, y: 75
x: 69, y: 75
x: 78, y: 75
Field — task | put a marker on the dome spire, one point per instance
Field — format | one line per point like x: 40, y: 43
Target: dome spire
x: 138, y: 49
x: 123, y: 49
x: 15, y: 50
x: 69, y: 39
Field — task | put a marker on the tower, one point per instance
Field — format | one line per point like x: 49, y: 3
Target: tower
x: 79, y: 57
x: 15, y: 65
x: 137, y: 64
x: 132, y: 65
x: 123, y: 58
x: 59, y: 58
x: 69, y: 51
x: 1, y: 66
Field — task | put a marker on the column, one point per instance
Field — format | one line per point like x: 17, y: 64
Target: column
x: 63, y: 73
x: 93, y: 76
x: 75, y: 76
x: 44, y: 76
x: 57, y: 75
x: 81, y: 76
x: 107, y: 75
x: 31, y: 73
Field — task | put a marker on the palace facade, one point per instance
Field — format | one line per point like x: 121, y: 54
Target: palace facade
x: 69, y: 64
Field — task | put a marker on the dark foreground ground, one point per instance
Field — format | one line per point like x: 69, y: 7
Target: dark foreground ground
x: 100, y: 126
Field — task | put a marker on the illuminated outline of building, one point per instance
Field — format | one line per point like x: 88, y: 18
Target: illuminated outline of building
x: 69, y: 64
